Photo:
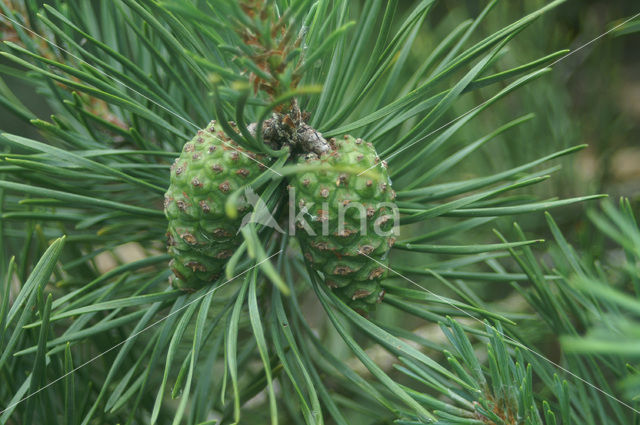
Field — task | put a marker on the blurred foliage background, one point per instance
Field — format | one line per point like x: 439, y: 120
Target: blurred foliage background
x: 592, y: 97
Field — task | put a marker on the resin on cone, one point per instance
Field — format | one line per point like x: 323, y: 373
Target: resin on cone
x: 352, y: 254
x: 201, y: 237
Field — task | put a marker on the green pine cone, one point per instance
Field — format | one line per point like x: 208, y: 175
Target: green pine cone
x: 333, y: 246
x: 201, y: 237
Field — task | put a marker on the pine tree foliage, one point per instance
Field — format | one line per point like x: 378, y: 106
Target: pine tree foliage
x: 128, y: 82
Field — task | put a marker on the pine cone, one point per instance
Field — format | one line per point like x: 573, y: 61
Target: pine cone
x: 351, y: 253
x: 201, y: 237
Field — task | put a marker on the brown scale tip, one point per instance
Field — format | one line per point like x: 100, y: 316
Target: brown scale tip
x: 306, y: 182
x: 211, y: 149
x: 200, y: 140
x: 342, y: 270
x: 376, y: 273
x: 324, y: 193
x: 196, y: 266
x: 226, y: 253
x: 234, y: 156
x: 322, y: 246
x: 220, y: 232
x: 322, y: 215
x: 242, y: 172
x: 346, y: 232
x: 196, y: 156
x: 360, y: 157
x: 382, y: 220
x: 224, y: 186
x: 331, y: 284
x: 217, y: 168
x: 189, y: 238
x: 360, y: 293
x: 196, y: 182
x: 204, y: 206
x: 182, y: 206
x: 358, y: 141
x: 189, y: 147
x: 366, y: 249
x: 346, y: 137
